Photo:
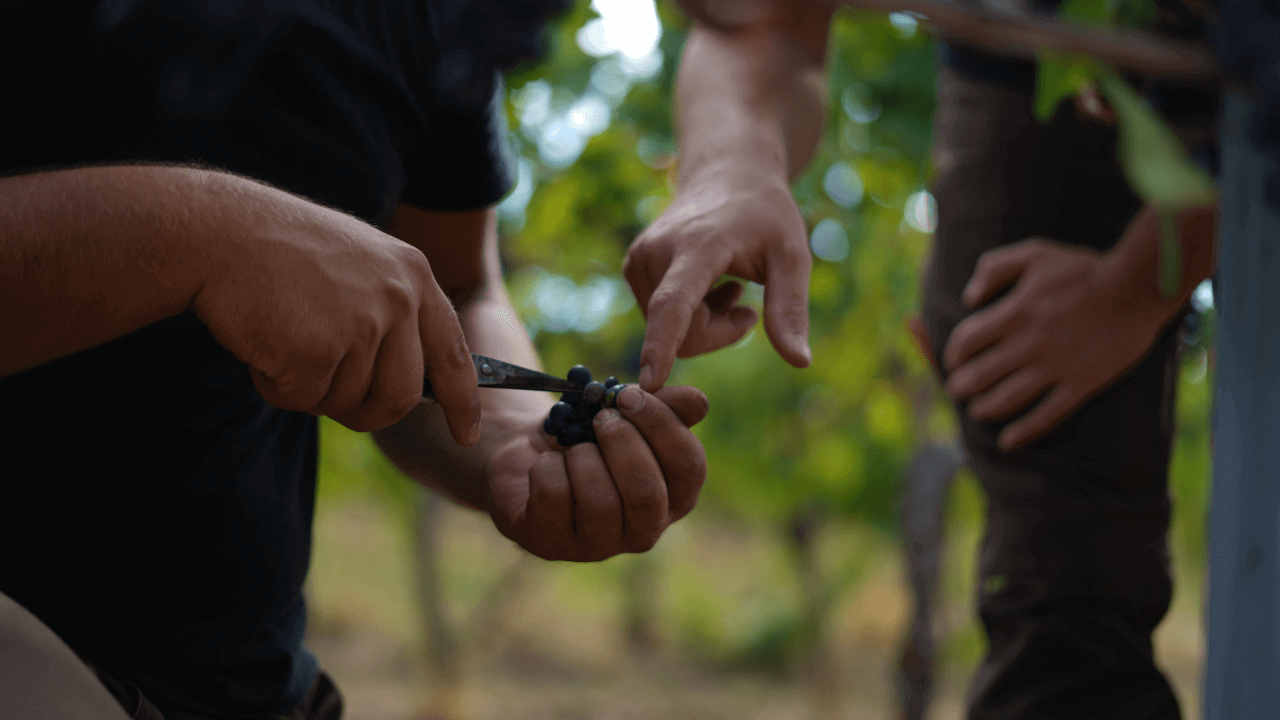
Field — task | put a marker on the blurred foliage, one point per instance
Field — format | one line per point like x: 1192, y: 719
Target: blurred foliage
x: 597, y: 158
x: 838, y: 433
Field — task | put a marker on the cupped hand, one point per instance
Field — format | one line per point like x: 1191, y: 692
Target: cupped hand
x: 1068, y: 328
x: 334, y: 317
x: 752, y: 231
x: 588, y: 503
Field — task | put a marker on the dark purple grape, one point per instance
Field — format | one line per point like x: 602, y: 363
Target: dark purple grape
x: 611, y: 395
x: 593, y: 393
x: 610, y: 382
x: 563, y: 413
x: 571, y: 436
x: 579, y: 374
x: 552, y: 427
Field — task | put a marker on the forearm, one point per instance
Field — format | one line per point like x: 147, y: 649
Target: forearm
x: 420, y: 444
x: 90, y: 254
x: 753, y: 93
x: 1136, y: 258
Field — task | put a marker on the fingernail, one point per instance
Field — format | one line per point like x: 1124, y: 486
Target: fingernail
x: 630, y: 399
x: 646, y: 376
x: 801, y: 345
x: 607, y: 415
x: 474, y: 433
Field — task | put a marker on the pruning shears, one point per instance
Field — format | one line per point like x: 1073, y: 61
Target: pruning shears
x: 493, y: 373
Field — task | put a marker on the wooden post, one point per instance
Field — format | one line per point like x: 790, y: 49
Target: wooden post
x: 1242, y: 673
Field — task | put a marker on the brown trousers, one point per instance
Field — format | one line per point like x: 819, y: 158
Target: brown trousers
x: 43, y: 679
x: 1074, y: 564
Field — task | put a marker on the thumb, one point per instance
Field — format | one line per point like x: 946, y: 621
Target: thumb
x: 786, y: 305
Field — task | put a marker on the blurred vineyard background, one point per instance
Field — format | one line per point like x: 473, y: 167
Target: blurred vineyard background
x: 784, y: 595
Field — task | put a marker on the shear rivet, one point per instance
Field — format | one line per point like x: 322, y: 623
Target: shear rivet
x: 486, y: 369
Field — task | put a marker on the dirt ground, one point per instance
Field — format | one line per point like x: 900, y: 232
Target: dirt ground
x: 560, y: 654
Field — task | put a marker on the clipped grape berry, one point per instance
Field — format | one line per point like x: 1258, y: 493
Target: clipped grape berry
x: 610, y: 382
x: 579, y: 374
x: 593, y: 393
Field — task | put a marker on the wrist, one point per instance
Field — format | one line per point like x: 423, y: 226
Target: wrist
x: 750, y: 149
x: 1133, y: 282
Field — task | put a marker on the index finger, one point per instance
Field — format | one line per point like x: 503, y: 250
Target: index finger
x: 448, y: 360
x: 670, y: 311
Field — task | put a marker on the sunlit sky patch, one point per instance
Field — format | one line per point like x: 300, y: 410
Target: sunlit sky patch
x: 629, y: 27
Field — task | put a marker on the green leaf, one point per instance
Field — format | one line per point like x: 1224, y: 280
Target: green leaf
x: 1089, y: 12
x: 1136, y: 13
x: 1060, y: 76
x: 1153, y: 159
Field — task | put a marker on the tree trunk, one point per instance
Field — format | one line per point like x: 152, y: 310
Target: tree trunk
x: 639, y: 605
x: 820, y: 666
x: 440, y: 643
x: 925, y: 490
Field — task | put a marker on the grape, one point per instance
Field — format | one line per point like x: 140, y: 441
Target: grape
x: 593, y: 393
x: 570, y: 420
x: 551, y: 427
x: 571, y: 436
x: 579, y: 374
x: 562, y: 413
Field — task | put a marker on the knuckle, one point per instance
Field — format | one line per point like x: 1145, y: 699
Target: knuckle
x: 689, y: 467
x: 610, y: 427
x: 647, y: 501
x: 366, y: 328
x: 552, y: 493
x: 403, y: 297
x: 666, y: 299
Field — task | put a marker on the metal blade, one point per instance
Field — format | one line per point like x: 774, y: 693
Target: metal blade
x: 493, y: 373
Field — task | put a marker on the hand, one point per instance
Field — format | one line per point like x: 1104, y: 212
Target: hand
x: 587, y: 503
x: 1070, y: 326
x: 752, y: 232
x: 336, y: 318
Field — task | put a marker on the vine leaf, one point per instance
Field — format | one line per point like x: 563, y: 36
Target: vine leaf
x: 1158, y: 169
x: 1060, y: 76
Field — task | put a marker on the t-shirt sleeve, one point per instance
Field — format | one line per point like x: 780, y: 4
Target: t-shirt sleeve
x: 465, y: 160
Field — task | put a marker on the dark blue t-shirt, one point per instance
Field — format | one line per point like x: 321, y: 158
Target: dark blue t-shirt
x: 162, y: 522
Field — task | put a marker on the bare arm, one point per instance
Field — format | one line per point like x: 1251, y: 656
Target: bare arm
x: 463, y: 251
x: 750, y: 104
x: 752, y: 87
x: 89, y: 255
x: 332, y: 316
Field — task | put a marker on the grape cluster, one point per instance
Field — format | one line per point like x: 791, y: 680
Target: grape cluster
x: 570, y: 419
